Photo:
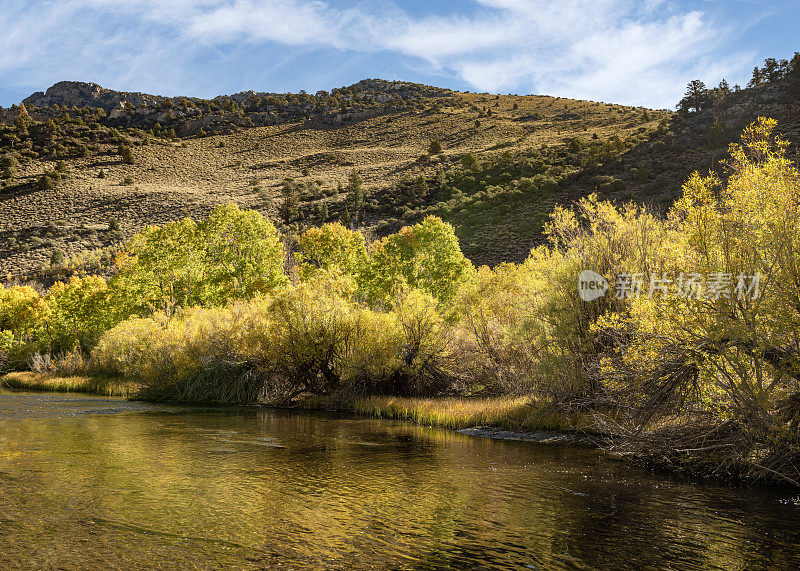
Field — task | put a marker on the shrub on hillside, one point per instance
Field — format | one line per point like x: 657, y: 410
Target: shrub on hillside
x: 126, y: 154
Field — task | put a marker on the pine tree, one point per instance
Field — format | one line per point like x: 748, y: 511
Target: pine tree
x: 420, y: 187
x: 794, y: 65
x: 696, y: 97
x: 757, y: 78
x: 355, y: 193
x: 771, y: 70
x: 23, y: 119
x: 290, y: 207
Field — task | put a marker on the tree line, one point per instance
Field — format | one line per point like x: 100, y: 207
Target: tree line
x: 699, y: 97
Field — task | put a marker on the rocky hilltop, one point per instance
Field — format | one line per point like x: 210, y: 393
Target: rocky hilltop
x: 86, y: 95
x: 91, y: 95
x: 188, y: 115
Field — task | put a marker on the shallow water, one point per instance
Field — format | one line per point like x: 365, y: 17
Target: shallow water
x: 91, y: 482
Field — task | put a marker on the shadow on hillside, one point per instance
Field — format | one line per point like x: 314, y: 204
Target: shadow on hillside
x: 104, y: 163
x: 18, y: 190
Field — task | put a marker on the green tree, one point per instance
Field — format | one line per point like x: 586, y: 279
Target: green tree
x: 23, y: 322
x: 161, y: 269
x: 332, y: 245
x: 80, y: 311
x: 243, y: 254
x: 234, y: 254
x: 425, y: 256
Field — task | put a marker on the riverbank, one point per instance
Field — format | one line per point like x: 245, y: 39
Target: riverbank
x: 518, y: 414
x: 505, y: 418
x: 499, y: 418
x: 30, y: 381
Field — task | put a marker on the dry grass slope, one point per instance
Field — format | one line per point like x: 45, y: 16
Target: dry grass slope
x: 175, y: 177
x: 172, y: 179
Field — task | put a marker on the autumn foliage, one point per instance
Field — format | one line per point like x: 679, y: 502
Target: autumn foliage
x: 204, y: 311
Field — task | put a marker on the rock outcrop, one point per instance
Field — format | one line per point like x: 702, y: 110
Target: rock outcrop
x: 84, y: 95
x: 80, y: 94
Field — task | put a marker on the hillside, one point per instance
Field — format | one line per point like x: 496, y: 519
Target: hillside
x: 72, y: 186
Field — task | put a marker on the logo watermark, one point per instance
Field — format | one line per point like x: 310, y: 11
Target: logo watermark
x: 591, y: 285
x: 712, y: 286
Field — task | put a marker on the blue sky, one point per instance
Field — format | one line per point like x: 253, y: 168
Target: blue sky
x: 624, y: 51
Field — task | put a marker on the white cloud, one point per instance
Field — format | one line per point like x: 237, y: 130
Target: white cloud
x: 283, y: 21
x: 637, y: 52
x: 615, y: 50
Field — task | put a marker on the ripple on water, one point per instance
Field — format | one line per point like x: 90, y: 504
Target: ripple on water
x: 97, y: 482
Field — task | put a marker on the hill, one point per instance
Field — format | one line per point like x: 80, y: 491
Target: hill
x: 85, y: 167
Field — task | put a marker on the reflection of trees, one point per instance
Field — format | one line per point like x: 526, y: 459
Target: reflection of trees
x: 636, y: 519
x: 327, y: 491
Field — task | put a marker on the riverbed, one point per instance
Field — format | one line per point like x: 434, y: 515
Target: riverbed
x: 97, y: 482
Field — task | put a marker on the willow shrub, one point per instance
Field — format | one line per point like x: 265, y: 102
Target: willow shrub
x: 722, y: 362
x: 198, y: 355
x: 310, y: 338
x: 524, y: 326
x: 735, y: 352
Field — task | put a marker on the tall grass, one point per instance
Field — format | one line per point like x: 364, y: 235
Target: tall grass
x: 512, y: 413
x: 70, y: 384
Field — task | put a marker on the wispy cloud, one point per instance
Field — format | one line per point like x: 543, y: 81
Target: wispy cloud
x: 637, y: 52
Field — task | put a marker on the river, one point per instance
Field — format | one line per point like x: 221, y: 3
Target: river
x: 94, y: 482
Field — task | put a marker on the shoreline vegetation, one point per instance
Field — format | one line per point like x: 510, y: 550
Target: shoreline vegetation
x: 686, y: 355
x: 516, y: 414
x: 513, y: 414
x: 30, y: 381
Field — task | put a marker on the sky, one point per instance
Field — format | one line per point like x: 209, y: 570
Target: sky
x: 623, y: 51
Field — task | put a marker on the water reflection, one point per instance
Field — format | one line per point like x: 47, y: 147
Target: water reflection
x: 90, y: 481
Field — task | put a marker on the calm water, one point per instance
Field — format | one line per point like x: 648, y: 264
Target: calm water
x: 90, y: 482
